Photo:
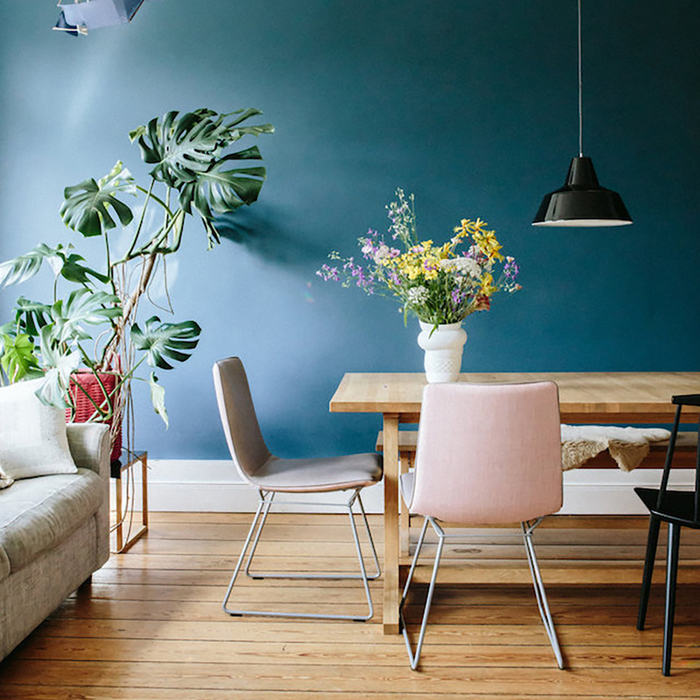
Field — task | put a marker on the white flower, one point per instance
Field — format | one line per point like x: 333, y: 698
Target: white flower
x: 470, y: 267
x: 462, y: 266
x: 382, y: 252
x: 417, y: 295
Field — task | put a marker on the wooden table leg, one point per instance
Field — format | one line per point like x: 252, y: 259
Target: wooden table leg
x: 391, y: 524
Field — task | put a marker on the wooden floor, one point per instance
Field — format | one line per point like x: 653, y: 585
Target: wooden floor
x: 151, y: 627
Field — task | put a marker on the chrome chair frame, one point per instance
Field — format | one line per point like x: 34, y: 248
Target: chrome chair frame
x: 254, y: 533
x: 540, y: 594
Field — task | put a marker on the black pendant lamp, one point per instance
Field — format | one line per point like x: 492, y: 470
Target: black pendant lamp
x: 582, y: 201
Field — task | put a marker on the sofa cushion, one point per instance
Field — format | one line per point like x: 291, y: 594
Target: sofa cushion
x: 33, y: 439
x: 37, y: 514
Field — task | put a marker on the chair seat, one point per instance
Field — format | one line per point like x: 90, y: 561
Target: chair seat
x: 677, y: 506
x: 319, y: 474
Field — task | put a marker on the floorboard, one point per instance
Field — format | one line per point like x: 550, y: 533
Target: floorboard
x: 150, y: 626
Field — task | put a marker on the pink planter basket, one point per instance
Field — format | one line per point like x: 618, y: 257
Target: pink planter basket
x: 84, y: 409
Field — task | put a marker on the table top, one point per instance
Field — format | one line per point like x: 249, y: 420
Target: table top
x: 585, y: 397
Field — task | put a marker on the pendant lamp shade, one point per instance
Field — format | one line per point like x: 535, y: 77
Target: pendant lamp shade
x: 582, y: 201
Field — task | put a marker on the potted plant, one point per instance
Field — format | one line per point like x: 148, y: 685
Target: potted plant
x: 86, y: 341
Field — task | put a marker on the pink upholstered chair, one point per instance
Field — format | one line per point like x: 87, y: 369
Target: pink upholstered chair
x: 271, y: 475
x: 487, y: 454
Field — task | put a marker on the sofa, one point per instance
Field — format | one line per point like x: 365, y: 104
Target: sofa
x: 54, y: 533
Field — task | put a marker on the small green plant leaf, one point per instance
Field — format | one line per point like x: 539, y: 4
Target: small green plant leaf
x: 158, y: 398
x: 18, y: 357
x: 73, y: 271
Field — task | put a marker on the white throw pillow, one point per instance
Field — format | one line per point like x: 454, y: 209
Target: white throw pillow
x: 33, y: 440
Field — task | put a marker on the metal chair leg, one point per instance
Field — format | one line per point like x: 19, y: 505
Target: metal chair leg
x: 415, y: 657
x: 378, y: 571
x: 258, y: 575
x: 674, y: 536
x: 253, y: 536
x: 267, y: 499
x: 242, y: 555
x: 540, y: 593
x: 649, y: 559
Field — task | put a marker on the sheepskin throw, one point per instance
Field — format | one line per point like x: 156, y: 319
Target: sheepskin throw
x: 627, y: 446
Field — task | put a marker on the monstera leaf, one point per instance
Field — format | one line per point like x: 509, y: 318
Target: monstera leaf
x: 174, y: 341
x: 87, y: 205
x: 31, y: 316
x: 24, y: 267
x: 181, y: 146
x: 60, y: 366
x: 68, y: 265
x: 222, y: 190
x: 73, y: 270
x: 83, y: 307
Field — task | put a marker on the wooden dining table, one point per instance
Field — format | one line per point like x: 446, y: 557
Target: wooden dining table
x: 585, y: 398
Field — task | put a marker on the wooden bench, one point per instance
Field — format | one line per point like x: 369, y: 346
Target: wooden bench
x: 684, y: 457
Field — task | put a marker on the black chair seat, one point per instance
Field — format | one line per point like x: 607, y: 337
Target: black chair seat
x: 677, y: 506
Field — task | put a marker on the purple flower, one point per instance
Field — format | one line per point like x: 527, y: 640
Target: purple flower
x: 329, y: 273
x: 511, y: 268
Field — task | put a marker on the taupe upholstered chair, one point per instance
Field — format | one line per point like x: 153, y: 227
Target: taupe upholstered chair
x: 272, y: 475
x: 487, y: 454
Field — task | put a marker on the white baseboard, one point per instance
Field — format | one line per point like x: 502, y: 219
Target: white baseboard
x: 214, y: 486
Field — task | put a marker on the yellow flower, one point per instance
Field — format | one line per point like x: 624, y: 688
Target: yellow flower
x: 462, y: 229
x: 488, y: 245
x: 487, y: 285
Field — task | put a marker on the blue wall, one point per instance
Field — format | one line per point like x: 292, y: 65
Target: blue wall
x: 470, y: 104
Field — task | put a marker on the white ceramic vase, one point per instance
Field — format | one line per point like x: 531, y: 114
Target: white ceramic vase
x: 443, y: 351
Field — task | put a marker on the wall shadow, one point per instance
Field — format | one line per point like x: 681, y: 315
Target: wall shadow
x: 266, y: 232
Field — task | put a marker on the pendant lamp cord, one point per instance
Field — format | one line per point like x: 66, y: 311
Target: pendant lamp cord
x: 580, y: 86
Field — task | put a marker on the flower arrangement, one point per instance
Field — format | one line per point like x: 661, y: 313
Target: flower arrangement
x: 439, y: 284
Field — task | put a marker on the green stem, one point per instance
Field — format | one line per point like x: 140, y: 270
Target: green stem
x: 154, y: 245
x: 149, y: 195
x: 154, y: 197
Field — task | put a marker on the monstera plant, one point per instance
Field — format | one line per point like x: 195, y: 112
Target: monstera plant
x: 91, y: 325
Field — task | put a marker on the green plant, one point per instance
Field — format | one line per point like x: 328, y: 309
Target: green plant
x: 91, y: 323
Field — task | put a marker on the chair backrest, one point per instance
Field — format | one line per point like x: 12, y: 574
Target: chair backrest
x: 488, y: 453
x: 243, y: 435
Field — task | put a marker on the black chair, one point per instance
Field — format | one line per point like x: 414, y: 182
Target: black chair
x: 678, y: 509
